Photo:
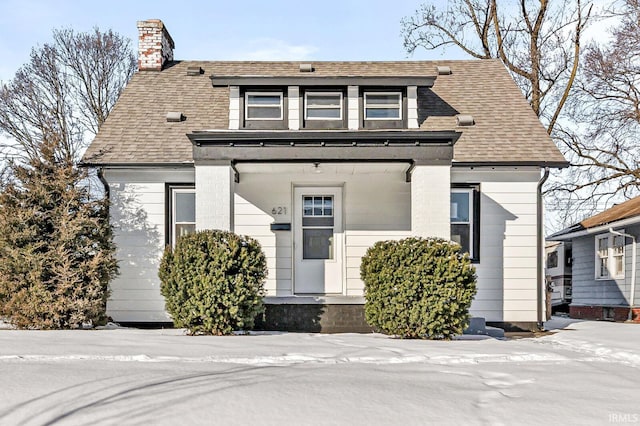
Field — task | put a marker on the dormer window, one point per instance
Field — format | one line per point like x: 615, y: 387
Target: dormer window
x: 323, y: 106
x: 383, y: 106
x: 263, y: 106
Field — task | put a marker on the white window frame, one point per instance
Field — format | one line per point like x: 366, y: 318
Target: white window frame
x: 382, y: 106
x: 173, y: 191
x: 469, y: 192
x: 246, y: 105
x: 610, y: 257
x: 329, y: 93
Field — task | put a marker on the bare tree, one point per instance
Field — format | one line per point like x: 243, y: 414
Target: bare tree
x: 588, y: 98
x: 538, y: 42
x: 602, y: 138
x: 67, y: 89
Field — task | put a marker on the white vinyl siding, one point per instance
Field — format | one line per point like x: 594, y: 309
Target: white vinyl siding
x: 137, y: 214
x: 506, y: 272
x: 507, y: 268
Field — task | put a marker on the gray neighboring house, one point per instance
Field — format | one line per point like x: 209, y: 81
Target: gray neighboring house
x: 318, y: 161
x: 603, y: 275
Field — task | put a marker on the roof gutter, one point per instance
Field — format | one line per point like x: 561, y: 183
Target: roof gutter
x: 185, y: 164
x: 596, y: 229
x: 527, y: 163
x: 540, y: 246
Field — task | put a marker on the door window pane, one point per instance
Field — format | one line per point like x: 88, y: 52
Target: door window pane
x: 317, y: 205
x: 317, y: 243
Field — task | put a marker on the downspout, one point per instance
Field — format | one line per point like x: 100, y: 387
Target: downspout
x: 100, y: 174
x: 633, y: 270
x: 539, y: 246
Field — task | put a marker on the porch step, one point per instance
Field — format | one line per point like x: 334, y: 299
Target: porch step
x: 315, y: 317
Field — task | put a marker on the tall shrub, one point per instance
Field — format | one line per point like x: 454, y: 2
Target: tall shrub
x: 418, y: 288
x: 213, y: 282
x: 56, y: 248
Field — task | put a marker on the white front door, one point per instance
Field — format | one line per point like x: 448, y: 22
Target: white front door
x: 318, y: 240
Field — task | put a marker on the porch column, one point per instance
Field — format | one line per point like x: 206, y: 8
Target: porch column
x: 430, y: 199
x: 214, y: 196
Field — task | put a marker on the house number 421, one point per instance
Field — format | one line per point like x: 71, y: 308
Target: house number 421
x: 279, y: 210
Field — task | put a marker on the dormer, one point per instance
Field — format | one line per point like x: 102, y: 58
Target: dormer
x: 323, y: 102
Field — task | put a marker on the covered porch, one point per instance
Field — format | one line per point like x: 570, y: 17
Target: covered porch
x: 317, y: 204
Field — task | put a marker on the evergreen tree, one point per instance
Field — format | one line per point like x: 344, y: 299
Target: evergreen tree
x: 56, y: 248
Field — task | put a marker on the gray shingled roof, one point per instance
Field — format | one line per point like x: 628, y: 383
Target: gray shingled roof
x: 506, y: 130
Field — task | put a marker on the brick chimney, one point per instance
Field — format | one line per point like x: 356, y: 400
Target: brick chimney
x: 155, y: 45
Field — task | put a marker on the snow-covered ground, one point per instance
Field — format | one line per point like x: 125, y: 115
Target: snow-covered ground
x: 585, y: 373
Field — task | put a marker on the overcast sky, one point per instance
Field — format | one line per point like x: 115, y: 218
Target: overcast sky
x: 222, y: 29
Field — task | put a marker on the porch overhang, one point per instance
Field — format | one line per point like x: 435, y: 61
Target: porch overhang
x: 419, y: 147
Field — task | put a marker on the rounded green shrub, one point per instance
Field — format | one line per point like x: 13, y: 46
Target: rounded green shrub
x: 213, y: 282
x: 418, y: 288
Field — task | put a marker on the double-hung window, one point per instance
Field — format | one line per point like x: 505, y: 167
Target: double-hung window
x: 182, y: 212
x: 382, y: 105
x: 263, y: 105
x: 323, y: 106
x: 609, y: 256
x: 464, y: 217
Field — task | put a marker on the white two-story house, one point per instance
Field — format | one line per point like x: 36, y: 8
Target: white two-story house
x: 318, y: 161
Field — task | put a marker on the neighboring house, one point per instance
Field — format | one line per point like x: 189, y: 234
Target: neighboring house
x: 558, y: 271
x: 603, y: 268
x: 318, y: 161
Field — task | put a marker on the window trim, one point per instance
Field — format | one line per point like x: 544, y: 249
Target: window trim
x: 280, y: 94
x: 473, y: 189
x: 170, y: 190
x: 382, y: 106
x: 610, y: 238
x: 323, y: 93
